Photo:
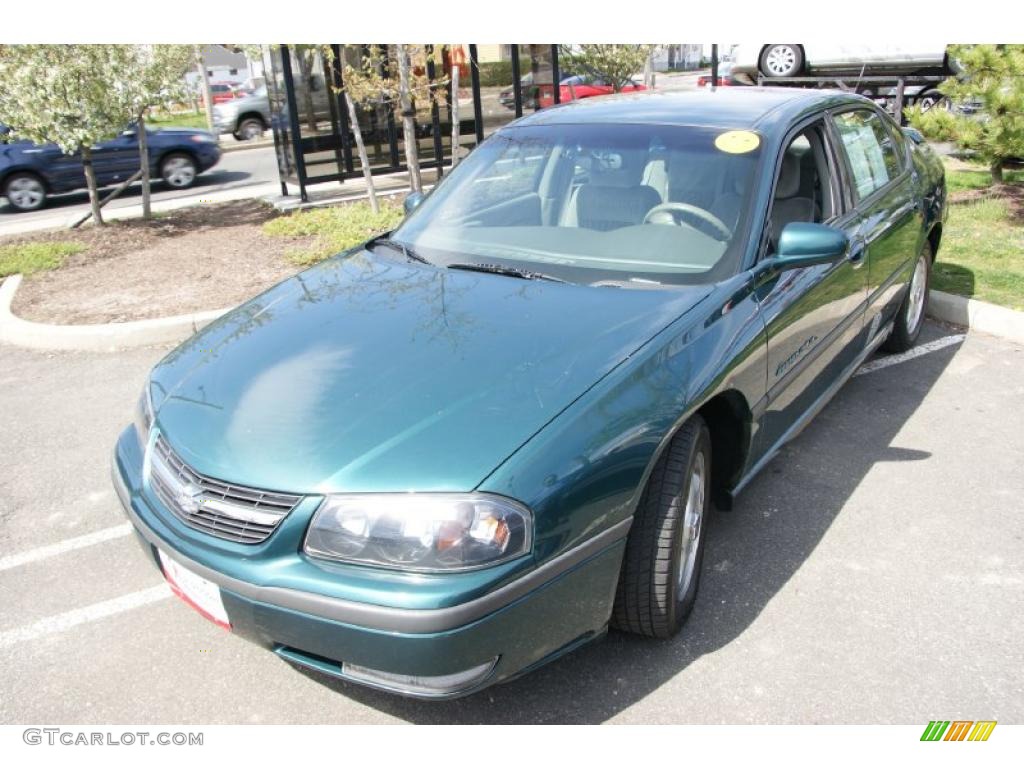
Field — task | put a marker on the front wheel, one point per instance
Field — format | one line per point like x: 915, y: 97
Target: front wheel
x: 250, y: 130
x: 910, y: 317
x: 661, y: 567
x: 782, y: 60
x: 178, y: 171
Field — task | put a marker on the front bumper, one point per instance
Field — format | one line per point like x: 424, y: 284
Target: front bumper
x: 522, y: 624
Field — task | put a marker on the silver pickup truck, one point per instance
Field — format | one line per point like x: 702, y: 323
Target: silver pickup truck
x: 245, y: 118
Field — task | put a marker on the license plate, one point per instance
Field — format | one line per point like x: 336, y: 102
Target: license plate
x: 201, y: 594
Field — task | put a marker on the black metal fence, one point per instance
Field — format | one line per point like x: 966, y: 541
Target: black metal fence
x: 310, y: 123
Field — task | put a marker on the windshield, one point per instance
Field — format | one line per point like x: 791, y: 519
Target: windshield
x: 627, y: 204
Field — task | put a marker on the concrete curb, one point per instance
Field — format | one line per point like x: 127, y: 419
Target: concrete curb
x: 60, y: 221
x: 241, y: 146
x: 977, y: 315
x: 97, y: 338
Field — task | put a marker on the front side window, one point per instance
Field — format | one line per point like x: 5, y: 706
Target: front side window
x: 624, y: 204
x: 803, y: 184
x: 869, y: 150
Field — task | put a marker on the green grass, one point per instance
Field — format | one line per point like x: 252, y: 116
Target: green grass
x: 27, y: 258
x: 977, y: 177
x: 335, y: 229
x: 982, y: 254
x: 183, y: 120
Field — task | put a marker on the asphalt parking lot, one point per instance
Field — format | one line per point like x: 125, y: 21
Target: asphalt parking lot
x: 873, y: 573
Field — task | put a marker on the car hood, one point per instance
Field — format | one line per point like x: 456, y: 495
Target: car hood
x: 366, y: 374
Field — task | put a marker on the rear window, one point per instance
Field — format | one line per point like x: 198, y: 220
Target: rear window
x: 870, y: 150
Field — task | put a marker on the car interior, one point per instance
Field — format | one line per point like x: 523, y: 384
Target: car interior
x: 803, y: 190
x: 666, y: 202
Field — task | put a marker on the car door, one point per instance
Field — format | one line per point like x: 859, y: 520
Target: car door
x: 847, y: 56
x: 117, y: 159
x: 884, y: 192
x: 813, y: 316
x: 64, y: 172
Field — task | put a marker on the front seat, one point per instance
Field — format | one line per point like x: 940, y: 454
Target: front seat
x: 608, y: 207
x: 788, y: 205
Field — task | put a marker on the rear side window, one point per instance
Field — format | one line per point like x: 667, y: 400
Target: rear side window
x: 869, y: 150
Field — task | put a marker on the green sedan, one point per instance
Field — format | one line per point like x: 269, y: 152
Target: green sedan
x: 471, y: 445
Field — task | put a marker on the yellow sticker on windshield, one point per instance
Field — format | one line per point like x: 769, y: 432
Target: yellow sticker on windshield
x: 737, y: 142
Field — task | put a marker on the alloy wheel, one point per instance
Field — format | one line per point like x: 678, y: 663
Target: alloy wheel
x: 26, y: 193
x: 693, y: 524
x: 780, y: 60
x: 179, y: 172
x: 251, y: 130
x: 916, y: 297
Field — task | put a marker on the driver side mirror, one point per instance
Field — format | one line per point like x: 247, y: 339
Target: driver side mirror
x: 803, y: 244
x: 412, y: 202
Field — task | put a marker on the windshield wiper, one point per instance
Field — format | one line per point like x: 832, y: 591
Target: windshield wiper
x: 499, y: 269
x: 408, y: 252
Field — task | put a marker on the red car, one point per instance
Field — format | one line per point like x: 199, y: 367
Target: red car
x: 583, y: 87
x: 224, y: 92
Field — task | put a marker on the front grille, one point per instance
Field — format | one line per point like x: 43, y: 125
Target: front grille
x: 232, y: 512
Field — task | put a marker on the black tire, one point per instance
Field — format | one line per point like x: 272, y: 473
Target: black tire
x: 910, y: 317
x: 179, y: 170
x: 250, y: 129
x: 25, y: 191
x: 650, y: 599
x: 781, y: 60
x: 931, y: 99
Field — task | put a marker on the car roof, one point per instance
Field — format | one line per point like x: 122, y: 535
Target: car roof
x: 731, y: 107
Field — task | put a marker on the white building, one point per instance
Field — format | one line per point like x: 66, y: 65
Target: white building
x: 224, y: 65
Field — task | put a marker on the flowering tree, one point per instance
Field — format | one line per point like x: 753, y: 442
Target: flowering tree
x: 153, y: 76
x: 614, y: 63
x: 63, y: 94
x: 76, y: 96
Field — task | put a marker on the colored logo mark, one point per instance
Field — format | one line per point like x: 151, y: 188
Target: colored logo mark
x: 958, y: 730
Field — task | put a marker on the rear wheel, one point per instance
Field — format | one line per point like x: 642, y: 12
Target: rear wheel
x: 178, y: 170
x: 782, y: 60
x: 934, y: 99
x: 661, y: 568
x: 250, y: 130
x: 910, y: 317
x: 25, y: 191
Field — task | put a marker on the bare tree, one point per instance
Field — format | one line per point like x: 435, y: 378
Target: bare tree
x: 412, y: 159
x: 455, y: 115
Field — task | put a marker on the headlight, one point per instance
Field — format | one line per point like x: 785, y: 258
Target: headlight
x: 420, y: 531
x: 203, y: 138
x: 143, y: 417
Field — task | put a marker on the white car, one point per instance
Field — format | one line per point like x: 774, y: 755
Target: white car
x: 792, y: 59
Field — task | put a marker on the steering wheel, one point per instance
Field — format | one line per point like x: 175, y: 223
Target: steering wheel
x: 666, y: 213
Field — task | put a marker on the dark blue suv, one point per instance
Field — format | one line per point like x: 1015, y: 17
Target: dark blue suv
x: 30, y: 172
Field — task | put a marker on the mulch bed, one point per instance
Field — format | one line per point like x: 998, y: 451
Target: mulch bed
x: 200, y: 258
x: 1012, y: 192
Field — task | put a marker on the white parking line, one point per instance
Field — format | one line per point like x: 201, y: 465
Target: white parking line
x: 924, y: 349
x: 96, y: 537
x: 65, y: 621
